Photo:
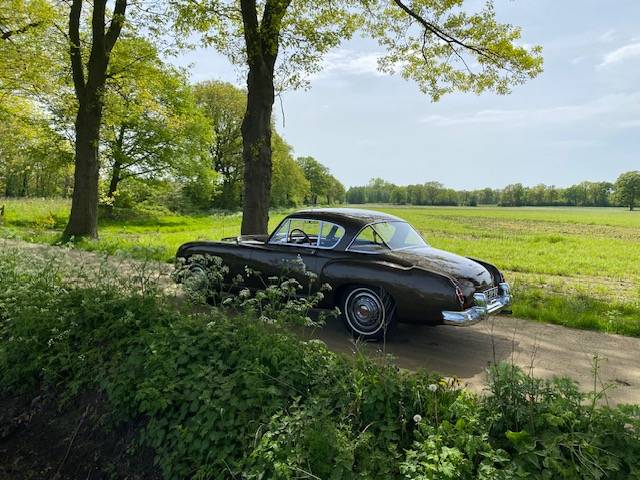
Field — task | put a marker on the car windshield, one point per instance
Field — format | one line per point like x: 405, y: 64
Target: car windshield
x: 387, y: 236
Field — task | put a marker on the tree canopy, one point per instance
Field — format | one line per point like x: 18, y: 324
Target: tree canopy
x: 628, y: 189
x: 279, y: 43
x: 151, y: 125
x: 128, y: 114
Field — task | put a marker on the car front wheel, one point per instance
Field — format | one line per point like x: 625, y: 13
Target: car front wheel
x: 368, y: 312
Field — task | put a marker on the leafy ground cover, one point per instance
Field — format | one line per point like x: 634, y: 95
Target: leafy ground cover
x: 578, y: 267
x: 224, y: 394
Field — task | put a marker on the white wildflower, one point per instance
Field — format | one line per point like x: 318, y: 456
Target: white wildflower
x: 417, y: 418
x: 433, y: 387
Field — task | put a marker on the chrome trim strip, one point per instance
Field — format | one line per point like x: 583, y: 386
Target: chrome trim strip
x: 482, y: 308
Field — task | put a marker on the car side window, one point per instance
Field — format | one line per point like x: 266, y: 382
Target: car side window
x: 368, y: 240
x: 308, y: 233
x: 386, y: 236
x: 330, y: 235
x: 304, y: 232
x: 297, y: 231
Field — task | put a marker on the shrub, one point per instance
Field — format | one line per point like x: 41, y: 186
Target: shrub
x: 222, y: 394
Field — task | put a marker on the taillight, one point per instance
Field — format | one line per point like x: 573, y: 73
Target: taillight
x: 460, y: 296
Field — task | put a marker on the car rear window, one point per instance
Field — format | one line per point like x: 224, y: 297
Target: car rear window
x: 387, y: 236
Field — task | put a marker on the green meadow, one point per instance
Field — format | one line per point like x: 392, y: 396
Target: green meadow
x: 578, y: 267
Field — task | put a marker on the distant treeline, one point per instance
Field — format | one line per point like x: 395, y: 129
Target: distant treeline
x: 584, y: 194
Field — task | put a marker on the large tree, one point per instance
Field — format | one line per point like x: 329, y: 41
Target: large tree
x: 89, y: 73
x: 434, y: 42
x: 224, y: 105
x: 318, y: 176
x: 152, y: 126
x: 289, y: 187
x: 627, y: 189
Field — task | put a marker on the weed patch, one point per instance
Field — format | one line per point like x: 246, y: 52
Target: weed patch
x: 230, y: 395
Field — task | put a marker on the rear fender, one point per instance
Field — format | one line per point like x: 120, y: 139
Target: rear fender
x: 493, y: 270
x: 420, y: 295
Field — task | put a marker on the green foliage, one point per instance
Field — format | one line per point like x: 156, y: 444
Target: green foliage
x: 627, y: 189
x: 151, y: 127
x: 550, y: 429
x: 289, y: 185
x: 485, y: 55
x: 223, y: 395
x: 27, y: 31
x: 302, y: 34
x: 323, y: 187
x: 35, y: 160
x: 451, y: 49
x: 199, y: 190
x: 224, y: 106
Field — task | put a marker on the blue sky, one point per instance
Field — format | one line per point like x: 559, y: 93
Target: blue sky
x: 579, y: 120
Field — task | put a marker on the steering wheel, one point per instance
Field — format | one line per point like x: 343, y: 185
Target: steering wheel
x: 306, y: 237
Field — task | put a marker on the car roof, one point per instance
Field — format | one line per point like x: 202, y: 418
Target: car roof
x: 350, y: 218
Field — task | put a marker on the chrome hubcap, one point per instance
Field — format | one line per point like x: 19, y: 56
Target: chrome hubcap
x: 197, y: 270
x: 364, y: 311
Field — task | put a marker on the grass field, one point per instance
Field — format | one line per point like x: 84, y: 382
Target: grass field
x: 573, y: 266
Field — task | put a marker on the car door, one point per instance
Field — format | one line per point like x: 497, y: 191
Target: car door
x: 291, y: 252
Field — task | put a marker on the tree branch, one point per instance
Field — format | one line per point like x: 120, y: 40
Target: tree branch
x: 77, y: 70
x: 450, y: 39
x: 7, y: 34
x: 117, y: 21
x: 274, y: 12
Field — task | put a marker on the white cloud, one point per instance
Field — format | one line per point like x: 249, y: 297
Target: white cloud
x: 607, y: 36
x: 621, y: 54
x: 347, y: 62
x: 611, y: 110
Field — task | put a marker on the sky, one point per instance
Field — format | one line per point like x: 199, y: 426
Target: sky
x: 579, y: 120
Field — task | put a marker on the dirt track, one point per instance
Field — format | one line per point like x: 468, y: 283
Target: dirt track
x: 551, y: 349
x: 466, y: 352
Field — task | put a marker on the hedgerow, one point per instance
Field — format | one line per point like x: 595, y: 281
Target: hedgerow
x: 230, y: 393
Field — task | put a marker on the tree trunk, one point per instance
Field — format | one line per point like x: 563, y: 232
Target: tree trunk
x: 116, y: 171
x: 89, y: 90
x: 256, y: 151
x: 115, y: 179
x: 83, y: 220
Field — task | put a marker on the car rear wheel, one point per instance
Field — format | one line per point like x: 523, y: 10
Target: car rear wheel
x: 368, y: 312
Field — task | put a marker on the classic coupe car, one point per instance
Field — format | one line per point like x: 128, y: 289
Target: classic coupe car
x: 380, y: 269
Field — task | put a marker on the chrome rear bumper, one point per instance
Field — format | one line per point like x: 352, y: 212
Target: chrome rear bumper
x: 483, y: 307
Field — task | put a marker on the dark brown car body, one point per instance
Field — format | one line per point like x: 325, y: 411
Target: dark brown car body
x: 427, y: 285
